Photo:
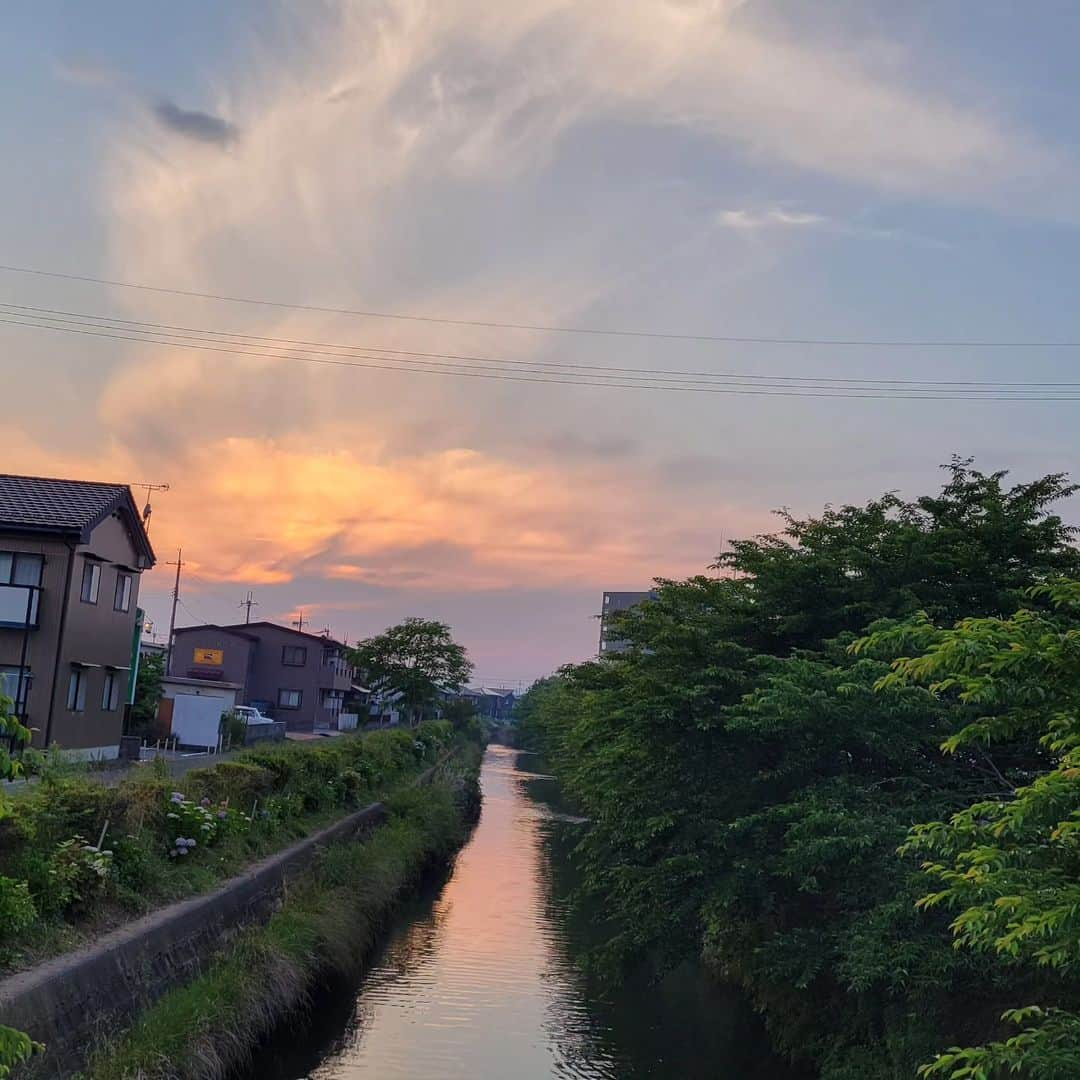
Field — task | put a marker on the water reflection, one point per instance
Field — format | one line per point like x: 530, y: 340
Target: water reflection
x: 476, y: 979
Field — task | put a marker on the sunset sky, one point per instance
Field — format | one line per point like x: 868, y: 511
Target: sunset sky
x: 839, y: 170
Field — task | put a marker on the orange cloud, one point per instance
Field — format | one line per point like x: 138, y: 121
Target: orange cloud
x: 265, y: 511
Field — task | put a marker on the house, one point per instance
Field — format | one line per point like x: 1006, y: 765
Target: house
x: 288, y: 674
x: 493, y: 703
x: 71, y: 556
x: 152, y: 648
x: 615, y: 602
x: 386, y: 707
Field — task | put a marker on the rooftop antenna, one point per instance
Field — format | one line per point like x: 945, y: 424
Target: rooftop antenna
x: 148, y: 509
x: 249, y: 603
x: 299, y: 621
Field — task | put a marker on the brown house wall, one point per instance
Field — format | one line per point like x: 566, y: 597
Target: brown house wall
x: 41, y: 642
x: 93, y: 634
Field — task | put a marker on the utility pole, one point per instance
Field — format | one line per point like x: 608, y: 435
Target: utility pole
x: 298, y: 622
x: 175, y: 600
x: 249, y: 603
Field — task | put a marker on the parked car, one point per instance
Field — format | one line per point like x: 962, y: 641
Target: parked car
x: 250, y: 715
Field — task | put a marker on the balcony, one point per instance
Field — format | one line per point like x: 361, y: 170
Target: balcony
x: 19, y: 606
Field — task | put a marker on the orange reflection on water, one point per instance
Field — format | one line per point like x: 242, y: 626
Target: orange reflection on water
x: 478, y: 987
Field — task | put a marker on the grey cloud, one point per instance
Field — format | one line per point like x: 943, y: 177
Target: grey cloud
x: 569, y: 444
x: 192, y: 124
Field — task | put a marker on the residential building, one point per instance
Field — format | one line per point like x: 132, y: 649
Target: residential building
x: 288, y: 674
x: 71, y: 556
x: 615, y: 602
x: 152, y: 648
x: 491, y: 702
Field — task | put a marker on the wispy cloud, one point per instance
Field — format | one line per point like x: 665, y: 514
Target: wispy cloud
x: 774, y: 218
x: 82, y: 71
x: 422, y: 157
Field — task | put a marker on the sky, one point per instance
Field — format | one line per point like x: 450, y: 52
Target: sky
x: 724, y: 168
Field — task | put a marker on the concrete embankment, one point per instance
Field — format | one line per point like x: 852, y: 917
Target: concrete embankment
x: 72, y: 1001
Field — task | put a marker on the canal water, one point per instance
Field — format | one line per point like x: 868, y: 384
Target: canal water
x: 477, y: 977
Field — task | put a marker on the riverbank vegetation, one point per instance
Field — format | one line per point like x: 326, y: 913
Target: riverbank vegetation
x: 901, y: 675
x: 327, y: 924
x: 78, y: 857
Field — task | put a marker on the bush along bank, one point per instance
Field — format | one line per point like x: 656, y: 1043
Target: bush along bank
x: 78, y: 858
x: 327, y: 925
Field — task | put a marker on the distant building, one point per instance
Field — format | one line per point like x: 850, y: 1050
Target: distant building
x: 71, y: 556
x: 615, y: 602
x: 288, y: 674
x: 152, y: 648
x: 491, y: 702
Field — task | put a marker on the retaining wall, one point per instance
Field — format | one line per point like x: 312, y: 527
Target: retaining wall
x: 66, y: 1002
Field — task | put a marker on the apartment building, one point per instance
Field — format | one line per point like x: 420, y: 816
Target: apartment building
x: 71, y: 556
x: 615, y: 602
x: 288, y: 674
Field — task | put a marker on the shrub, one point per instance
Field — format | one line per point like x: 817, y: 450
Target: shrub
x: 238, y: 781
x: 233, y: 728
x: 78, y: 872
x: 191, y: 824
x: 17, y: 912
x: 16, y: 1047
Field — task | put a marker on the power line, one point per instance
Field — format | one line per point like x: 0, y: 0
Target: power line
x: 898, y: 343
x: 61, y: 316
x: 999, y: 392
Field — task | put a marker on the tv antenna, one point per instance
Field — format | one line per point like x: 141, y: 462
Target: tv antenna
x: 249, y: 603
x: 148, y: 509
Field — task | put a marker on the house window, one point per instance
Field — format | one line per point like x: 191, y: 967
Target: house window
x: 122, y: 599
x: 294, y: 655
x: 76, y: 699
x: 91, y: 582
x: 289, y: 699
x: 332, y: 700
x: 110, y: 694
x: 19, y: 568
x: 19, y: 607
x: 9, y: 687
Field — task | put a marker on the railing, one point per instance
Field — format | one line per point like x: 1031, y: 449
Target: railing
x: 19, y: 606
x: 337, y: 665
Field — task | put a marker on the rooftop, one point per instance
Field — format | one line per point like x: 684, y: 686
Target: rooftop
x: 67, y: 507
x: 248, y: 630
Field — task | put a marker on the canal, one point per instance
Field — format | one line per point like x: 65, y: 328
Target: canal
x: 476, y: 977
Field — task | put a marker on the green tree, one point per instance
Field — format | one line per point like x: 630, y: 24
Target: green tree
x: 1009, y: 865
x: 747, y: 788
x: 418, y: 659
x: 147, y: 691
x: 14, y: 735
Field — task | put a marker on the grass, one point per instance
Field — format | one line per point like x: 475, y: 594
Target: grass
x: 329, y: 923
x: 296, y: 790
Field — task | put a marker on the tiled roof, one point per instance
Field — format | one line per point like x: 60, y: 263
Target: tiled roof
x: 55, y: 504
x: 44, y: 504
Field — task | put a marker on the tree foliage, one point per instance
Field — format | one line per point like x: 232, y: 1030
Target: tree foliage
x: 1009, y: 865
x: 14, y: 735
x: 148, y: 690
x: 418, y: 659
x: 748, y: 784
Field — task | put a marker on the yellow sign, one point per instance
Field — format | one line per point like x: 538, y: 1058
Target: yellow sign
x: 214, y: 657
